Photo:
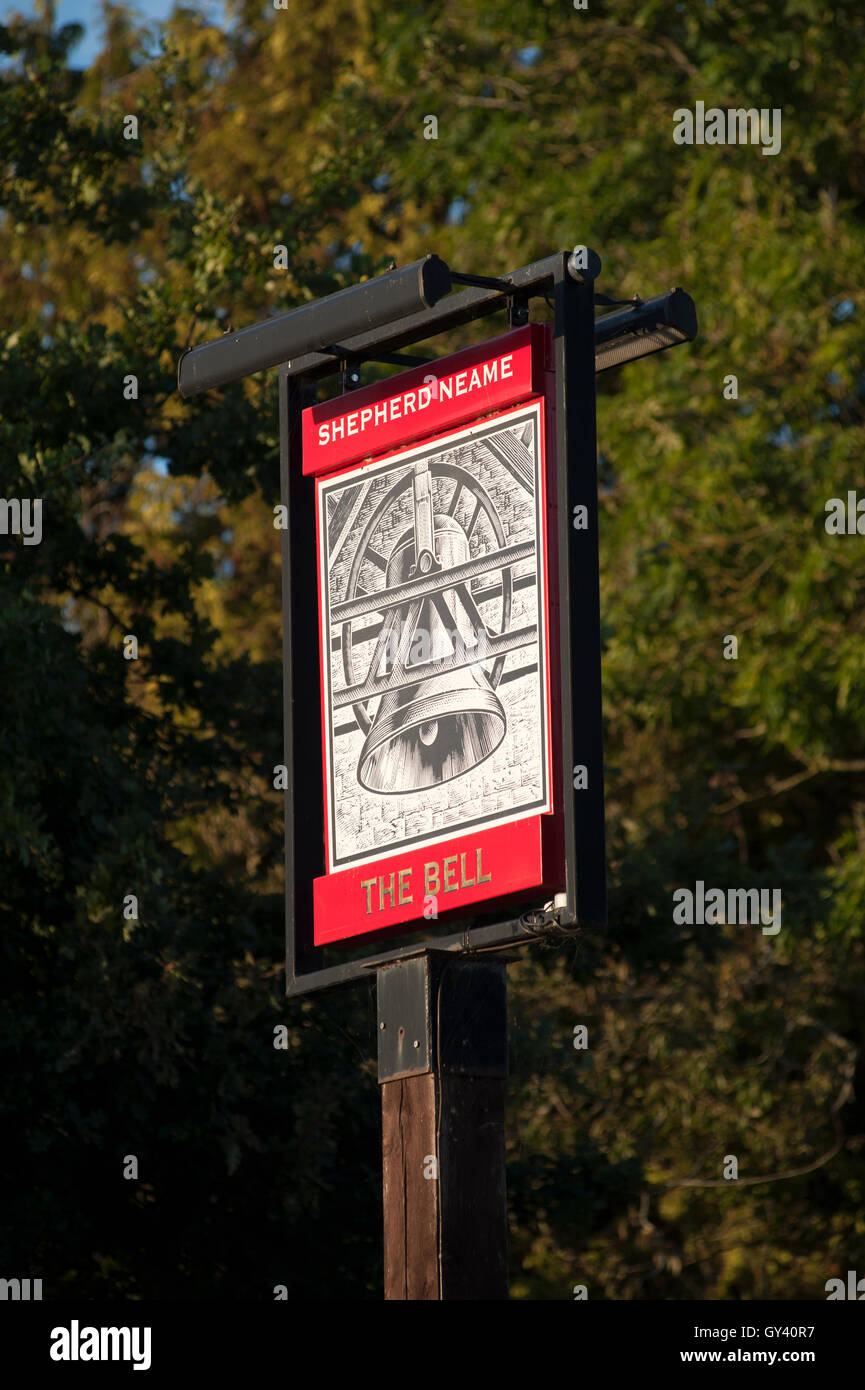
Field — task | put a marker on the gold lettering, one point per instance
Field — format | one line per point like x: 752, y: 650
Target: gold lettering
x: 446, y: 863
x: 385, y: 892
x: 482, y: 878
x: 368, y: 884
x: 430, y: 878
x: 404, y: 886
x: 464, y: 882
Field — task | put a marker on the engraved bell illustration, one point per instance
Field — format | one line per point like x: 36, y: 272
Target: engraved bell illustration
x: 429, y: 732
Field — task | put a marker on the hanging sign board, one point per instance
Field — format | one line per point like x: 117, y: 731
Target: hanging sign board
x: 436, y: 535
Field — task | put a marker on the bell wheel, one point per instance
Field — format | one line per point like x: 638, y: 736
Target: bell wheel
x: 459, y: 504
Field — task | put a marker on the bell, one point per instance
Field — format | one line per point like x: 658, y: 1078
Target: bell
x: 430, y: 732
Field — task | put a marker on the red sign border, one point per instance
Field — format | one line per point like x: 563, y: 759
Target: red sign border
x: 516, y: 856
x: 442, y: 415
x: 534, y: 842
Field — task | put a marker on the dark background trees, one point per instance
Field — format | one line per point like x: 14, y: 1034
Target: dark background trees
x: 304, y: 128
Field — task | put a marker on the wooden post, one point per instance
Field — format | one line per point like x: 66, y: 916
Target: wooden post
x: 442, y: 1067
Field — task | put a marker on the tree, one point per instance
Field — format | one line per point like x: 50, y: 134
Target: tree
x: 146, y: 1028
x: 151, y: 777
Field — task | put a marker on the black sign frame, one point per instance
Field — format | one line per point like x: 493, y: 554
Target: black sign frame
x: 582, y: 900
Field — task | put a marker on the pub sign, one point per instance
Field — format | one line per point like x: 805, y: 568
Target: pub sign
x: 434, y: 543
